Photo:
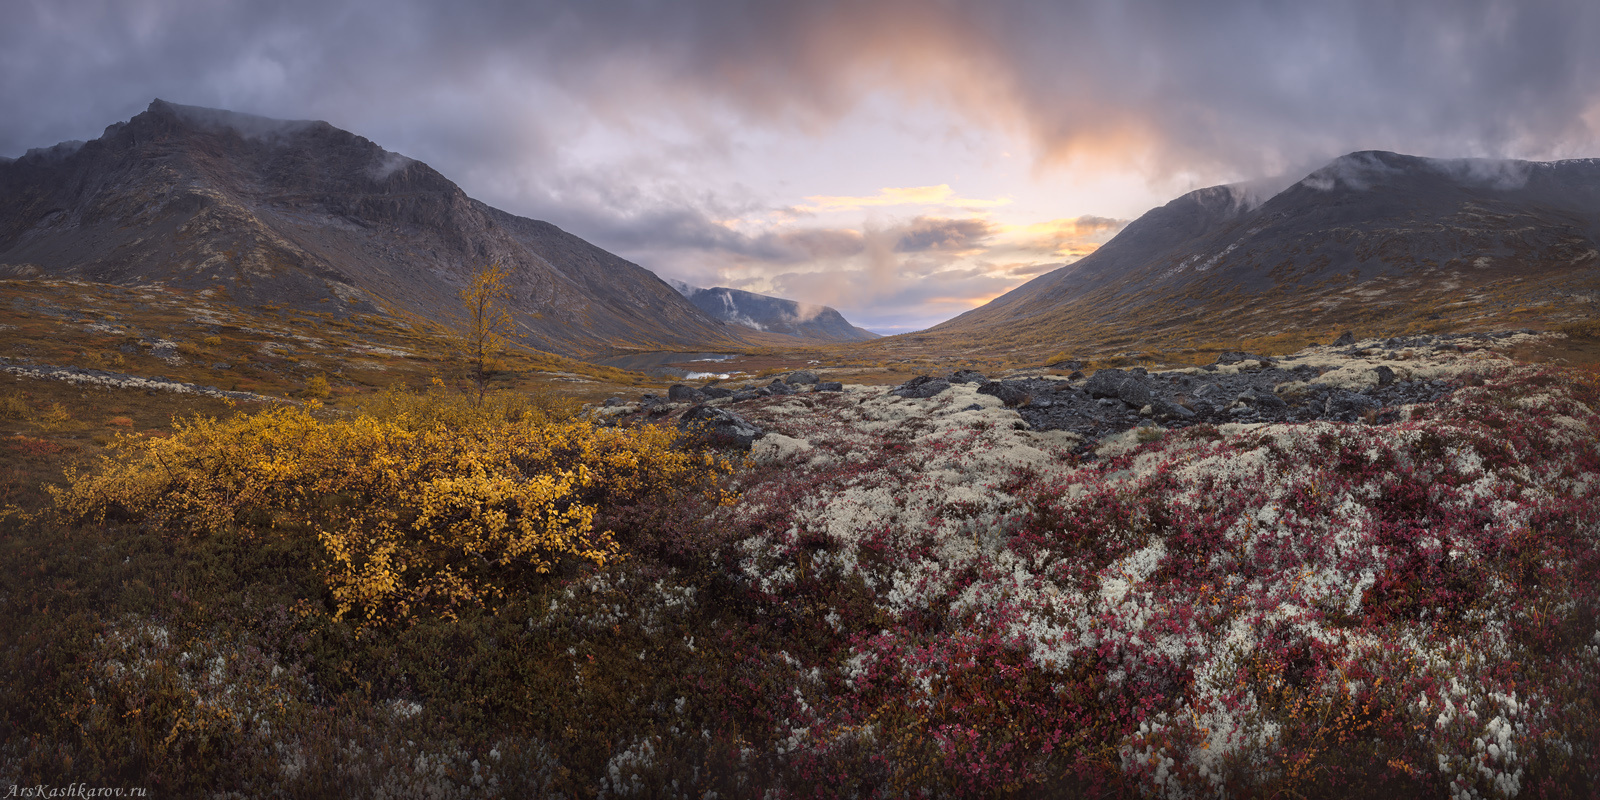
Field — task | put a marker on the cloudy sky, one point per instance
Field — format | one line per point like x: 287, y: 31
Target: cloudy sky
x: 900, y: 161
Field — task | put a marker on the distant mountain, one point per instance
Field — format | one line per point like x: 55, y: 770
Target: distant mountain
x: 1374, y: 240
x: 303, y: 215
x: 773, y: 314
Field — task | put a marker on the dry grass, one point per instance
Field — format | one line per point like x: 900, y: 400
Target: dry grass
x: 150, y: 331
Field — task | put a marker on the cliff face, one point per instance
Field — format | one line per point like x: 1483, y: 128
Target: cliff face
x: 305, y: 215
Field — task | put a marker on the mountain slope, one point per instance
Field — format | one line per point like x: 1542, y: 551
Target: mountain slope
x: 773, y: 314
x: 1374, y: 240
x: 304, y: 215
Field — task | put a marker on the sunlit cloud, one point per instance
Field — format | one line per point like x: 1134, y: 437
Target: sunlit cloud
x: 949, y: 235
x: 1068, y: 238
x: 941, y: 195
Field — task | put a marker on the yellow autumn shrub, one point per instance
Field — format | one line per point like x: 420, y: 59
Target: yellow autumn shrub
x: 415, y: 500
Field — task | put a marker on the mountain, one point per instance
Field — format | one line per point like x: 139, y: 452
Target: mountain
x: 304, y: 215
x: 1377, y: 241
x: 773, y: 314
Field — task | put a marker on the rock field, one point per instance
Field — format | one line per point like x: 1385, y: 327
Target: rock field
x: 1369, y: 381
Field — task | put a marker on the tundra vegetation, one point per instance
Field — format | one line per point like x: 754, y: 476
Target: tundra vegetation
x: 413, y: 593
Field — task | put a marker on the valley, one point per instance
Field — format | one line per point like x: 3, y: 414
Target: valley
x: 1285, y: 496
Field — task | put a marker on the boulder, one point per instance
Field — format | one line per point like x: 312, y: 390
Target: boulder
x: 802, y: 378
x: 747, y: 394
x: 779, y: 387
x: 1385, y: 375
x: 1349, y: 406
x: 1172, y: 410
x: 1257, y: 398
x: 1125, y: 386
x: 715, y: 392
x: 680, y: 393
x: 1070, y: 365
x: 1238, y: 356
x: 830, y: 386
x: 921, y: 387
x: 1345, y: 339
x: 968, y: 376
x: 720, y: 426
x: 1009, y: 393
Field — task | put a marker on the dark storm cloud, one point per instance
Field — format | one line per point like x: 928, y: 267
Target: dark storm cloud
x: 927, y: 233
x: 1243, y: 86
x: 669, y: 228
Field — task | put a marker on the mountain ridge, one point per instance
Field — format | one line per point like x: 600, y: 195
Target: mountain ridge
x: 1373, y: 240
x: 302, y: 214
x: 773, y: 314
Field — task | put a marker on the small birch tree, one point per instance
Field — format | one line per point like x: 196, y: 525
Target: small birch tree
x: 488, y: 323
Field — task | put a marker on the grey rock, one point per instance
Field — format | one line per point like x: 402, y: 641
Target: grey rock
x: 715, y: 392
x: 921, y: 387
x: 779, y: 387
x: 747, y: 394
x: 968, y: 376
x: 1345, y: 339
x: 802, y: 378
x: 1009, y: 393
x: 680, y: 393
x: 1173, y: 410
x: 1385, y: 375
x: 720, y: 426
x: 1128, y: 387
x: 1238, y: 356
x: 830, y: 386
x: 1349, y: 406
x: 1257, y: 398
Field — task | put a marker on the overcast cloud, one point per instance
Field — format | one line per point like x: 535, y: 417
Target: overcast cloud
x: 902, y: 161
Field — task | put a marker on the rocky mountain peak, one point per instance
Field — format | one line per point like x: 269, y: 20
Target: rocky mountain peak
x: 773, y: 314
x: 1370, y: 238
x: 301, y: 214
